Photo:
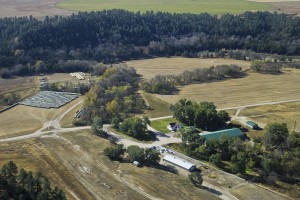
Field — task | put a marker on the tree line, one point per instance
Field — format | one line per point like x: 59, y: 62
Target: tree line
x: 166, y: 84
x: 24, y: 184
x: 111, y: 36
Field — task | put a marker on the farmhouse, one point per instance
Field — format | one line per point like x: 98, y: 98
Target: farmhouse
x: 252, y: 125
x: 173, y: 126
x: 234, y: 132
x: 180, y: 162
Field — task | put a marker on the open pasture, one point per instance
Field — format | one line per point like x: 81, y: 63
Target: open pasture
x: 253, y: 89
x: 149, y: 68
x: 173, y: 6
x: 22, y: 119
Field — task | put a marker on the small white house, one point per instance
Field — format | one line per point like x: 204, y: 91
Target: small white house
x: 180, y: 162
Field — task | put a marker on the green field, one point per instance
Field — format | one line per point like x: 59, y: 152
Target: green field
x: 173, y: 6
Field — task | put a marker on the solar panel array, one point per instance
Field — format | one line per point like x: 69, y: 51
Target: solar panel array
x: 49, y: 99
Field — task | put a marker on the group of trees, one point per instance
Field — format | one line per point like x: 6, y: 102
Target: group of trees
x: 201, y: 115
x: 114, y: 96
x: 25, y: 185
x: 137, y: 128
x: 166, y: 84
x: 275, y: 156
x: 64, y: 44
x: 133, y: 153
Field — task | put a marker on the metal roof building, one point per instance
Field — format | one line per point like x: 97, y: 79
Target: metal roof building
x: 251, y: 124
x: 234, y: 132
x: 180, y: 162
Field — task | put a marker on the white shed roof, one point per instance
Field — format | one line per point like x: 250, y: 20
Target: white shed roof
x: 178, y: 161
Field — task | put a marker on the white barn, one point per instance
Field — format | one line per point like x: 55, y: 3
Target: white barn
x: 180, y: 162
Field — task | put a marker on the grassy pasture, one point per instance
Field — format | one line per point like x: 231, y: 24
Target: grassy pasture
x: 173, y: 6
x: 254, y: 88
x: 176, y: 65
x: 22, y: 119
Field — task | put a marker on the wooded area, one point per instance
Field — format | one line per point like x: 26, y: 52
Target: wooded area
x: 64, y: 44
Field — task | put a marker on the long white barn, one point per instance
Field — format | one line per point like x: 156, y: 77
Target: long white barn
x: 180, y: 162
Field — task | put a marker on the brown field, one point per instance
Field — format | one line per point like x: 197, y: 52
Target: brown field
x: 66, y: 77
x: 33, y: 155
x: 253, y: 89
x: 36, y: 8
x: 287, y: 112
x: 18, y: 84
x: 25, y: 119
x: 176, y: 65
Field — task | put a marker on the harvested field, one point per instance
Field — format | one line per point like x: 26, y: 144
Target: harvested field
x: 287, y: 112
x: 33, y: 155
x: 176, y: 65
x: 24, y: 119
x: 36, y: 8
x: 253, y: 89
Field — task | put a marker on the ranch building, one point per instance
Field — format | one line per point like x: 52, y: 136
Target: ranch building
x: 234, y: 132
x: 252, y: 125
x: 180, y: 162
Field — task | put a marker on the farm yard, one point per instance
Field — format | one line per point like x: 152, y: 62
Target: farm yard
x: 253, y: 89
x: 149, y: 68
x: 173, y: 6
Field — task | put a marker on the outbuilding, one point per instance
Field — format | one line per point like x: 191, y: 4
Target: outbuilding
x: 136, y: 163
x: 252, y: 125
x: 180, y: 162
x: 233, y: 132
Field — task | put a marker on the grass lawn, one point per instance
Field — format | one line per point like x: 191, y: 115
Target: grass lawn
x: 173, y: 6
x: 161, y: 125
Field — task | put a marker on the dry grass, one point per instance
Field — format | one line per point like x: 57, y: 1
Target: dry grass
x: 253, y: 89
x: 24, y: 119
x: 67, y: 120
x: 157, y: 108
x: 176, y: 65
x: 36, y: 8
x: 287, y: 112
x: 66, y: 77
x: 18, y: 84
x: 253, y: 192
x: 85, y: 150
x: 32, y: 155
